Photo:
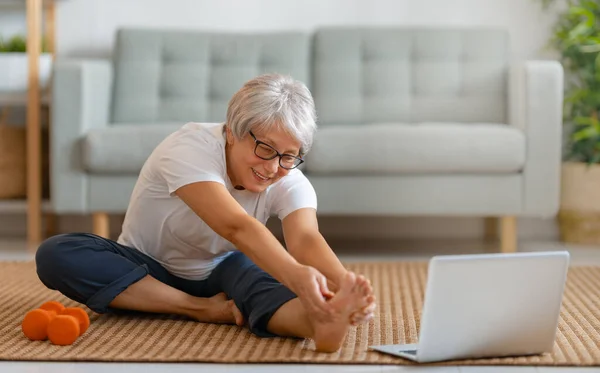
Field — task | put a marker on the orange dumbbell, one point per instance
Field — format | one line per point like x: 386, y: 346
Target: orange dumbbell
x: 62, y: 325
x: 82, y: 317
x: 35, y: 324
x: 53, y: 306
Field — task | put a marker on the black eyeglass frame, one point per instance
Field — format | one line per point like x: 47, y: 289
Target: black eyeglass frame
x: 277, y: 154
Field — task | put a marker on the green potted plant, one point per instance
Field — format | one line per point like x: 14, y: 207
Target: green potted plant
x: 576, y: 37
x: 14, y: 64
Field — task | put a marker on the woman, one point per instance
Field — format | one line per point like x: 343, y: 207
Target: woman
x: 194, y: 233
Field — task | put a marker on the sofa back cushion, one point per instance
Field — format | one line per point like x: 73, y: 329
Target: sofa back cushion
x: 394, y: 74
x: 183, y: 75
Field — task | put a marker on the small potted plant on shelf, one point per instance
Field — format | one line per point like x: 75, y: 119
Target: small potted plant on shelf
x: 576, y: 37
x: 14, y: 65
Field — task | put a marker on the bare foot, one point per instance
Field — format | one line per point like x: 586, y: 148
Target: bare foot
x: 329, y: 336
x: 366, y: 313
x: 221, y: 311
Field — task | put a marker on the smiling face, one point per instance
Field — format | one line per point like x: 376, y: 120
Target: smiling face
x: 246, y: 169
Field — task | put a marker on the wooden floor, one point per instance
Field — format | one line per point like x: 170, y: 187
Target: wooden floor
x: 365, y: 250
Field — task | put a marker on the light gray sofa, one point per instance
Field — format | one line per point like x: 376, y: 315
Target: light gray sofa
x: 412, y: 121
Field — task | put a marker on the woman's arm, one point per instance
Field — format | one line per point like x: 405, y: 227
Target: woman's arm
x: 307, y: 245
x: 216, y: 207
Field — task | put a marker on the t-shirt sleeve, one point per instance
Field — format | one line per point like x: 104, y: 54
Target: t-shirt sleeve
x: 188, y: 157
x: 293, y: 192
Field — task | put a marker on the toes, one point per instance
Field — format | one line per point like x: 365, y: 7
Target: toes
x: 367, y: 300
x: 348, y: 284
x: 356, y: 320
x: 365, y: 285
x: 369, y: 288
x: 360, y: 279
x: 356, y: 284
x: 239, y: 320
x: 237, y: 314
x: 369, y: 309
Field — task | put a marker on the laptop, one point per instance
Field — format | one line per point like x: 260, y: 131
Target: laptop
x: 488, y: 305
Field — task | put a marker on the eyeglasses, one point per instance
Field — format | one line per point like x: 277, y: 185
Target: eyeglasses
x: 267, y: 152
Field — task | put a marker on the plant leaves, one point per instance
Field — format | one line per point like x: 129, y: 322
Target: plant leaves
x: 576, y: 37
x: 18, y: 44
x: 586, y: 121
x: 585, y: 134
x: 581, y: 11
x: 578, y: 30
x: 590, y: 48
x: 577, y: 95
x: 590, y: 4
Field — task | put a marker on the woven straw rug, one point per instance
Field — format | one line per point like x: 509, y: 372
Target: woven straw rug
x: 399, y: 288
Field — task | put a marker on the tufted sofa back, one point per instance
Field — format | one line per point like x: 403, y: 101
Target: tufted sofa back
x: 177, y: 75
x: 357, y: 75
x: 393, y: 74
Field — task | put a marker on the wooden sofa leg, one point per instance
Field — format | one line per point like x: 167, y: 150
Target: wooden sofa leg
x: 508, y: 239
x: 50, y: 224
x: 491, y: 228
x: 101, y: 224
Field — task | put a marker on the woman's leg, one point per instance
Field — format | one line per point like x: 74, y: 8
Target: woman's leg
x: 151, y: 295
x: 293, y: 320
x: 105, y: 275
x: 273, y: 310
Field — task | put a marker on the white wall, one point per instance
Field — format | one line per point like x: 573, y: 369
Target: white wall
x: 12, y: 21
x: 85, y: 28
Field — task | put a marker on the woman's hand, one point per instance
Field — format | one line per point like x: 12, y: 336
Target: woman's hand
x: 311, y: 288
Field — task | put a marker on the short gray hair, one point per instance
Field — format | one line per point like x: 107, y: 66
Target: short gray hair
x: 272, y: 100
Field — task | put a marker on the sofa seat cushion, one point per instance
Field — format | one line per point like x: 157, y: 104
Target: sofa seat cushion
x: 122, y: 148
x: 417, y: 148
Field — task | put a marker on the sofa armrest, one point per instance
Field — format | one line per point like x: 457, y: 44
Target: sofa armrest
x: 536, y: 107
x: 81, y: 93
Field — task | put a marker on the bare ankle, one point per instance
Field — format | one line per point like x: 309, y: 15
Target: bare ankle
x: 291, y: 320
x: 195, y: 307
x: 216, y: 309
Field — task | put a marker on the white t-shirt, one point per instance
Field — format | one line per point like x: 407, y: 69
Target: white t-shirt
x: 162, y: 226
